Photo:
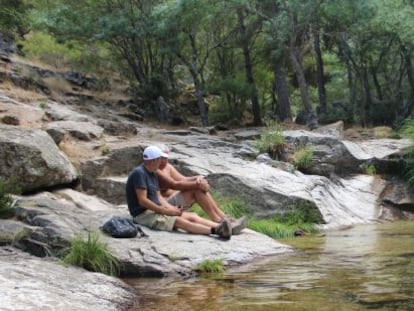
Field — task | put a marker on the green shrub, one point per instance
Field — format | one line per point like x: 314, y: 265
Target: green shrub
x: 7, y: 188
x: 370, y: 169
x: 303, y: 158
x: 211, y: 266
x: 45, y: 48
x: 92, y: 255
x: 272, y: 141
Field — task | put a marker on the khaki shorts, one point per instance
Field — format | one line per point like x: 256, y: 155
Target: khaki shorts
x: 177, y: 199
x: 155, y: 221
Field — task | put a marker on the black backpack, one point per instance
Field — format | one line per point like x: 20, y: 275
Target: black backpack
x: 122, y: 227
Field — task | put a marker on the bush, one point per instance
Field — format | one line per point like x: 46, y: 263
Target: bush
x: 272, y: 141
x: 45, y: 48
x: 370, y: 169
x: 92, y: 255
x: 7, y: 188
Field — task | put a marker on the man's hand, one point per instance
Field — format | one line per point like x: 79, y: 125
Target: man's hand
x: 174, y: 211
x: 203, y: 184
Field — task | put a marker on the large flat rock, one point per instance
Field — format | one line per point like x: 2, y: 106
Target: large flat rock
x: 55, y: 218
x: 31, y: 283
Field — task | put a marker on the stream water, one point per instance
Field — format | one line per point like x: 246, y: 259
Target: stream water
x: 369, y: 267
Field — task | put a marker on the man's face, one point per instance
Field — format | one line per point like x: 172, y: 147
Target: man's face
x: 163, y: 162
x: 154, y: 164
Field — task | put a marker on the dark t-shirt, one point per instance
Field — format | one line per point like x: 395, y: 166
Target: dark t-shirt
x: 141, y: 178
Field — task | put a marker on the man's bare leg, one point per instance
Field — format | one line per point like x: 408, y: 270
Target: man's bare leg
x: 192, y: 227
x: 223, y: 230
x: 207, y: 203
x: 193, y: 217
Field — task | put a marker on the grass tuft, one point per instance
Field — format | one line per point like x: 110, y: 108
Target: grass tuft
x: 7, y: 188
x: 91, y: 254
x: 272, y: 141
x: 303, y: 158
x: 210, y: 266
x: 278, y: 230
x: 301, y: 216
x: 370, y: 169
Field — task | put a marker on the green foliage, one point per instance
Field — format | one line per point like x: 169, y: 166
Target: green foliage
x: 272, y: 228
x: 303, y: 158
x: 211, y: 266
x: 7, y: 188
x: 272, y: 141
x: 302, y: 216
x: 13, y: 16
x: 87, y: 58
x: 42, y: 104
x: 370, y: 169
x: 92, y: 254
x: 300, y: 213
x: 278, y: 227
x: 147, y: 40
x: 234, y: 94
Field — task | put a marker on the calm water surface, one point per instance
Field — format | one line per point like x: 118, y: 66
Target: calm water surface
x: 368, y: 267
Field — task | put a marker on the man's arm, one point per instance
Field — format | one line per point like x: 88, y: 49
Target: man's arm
x: 175, y: 180
x: 168, y: 182
x: 165, y: 208
x: 176, y: 175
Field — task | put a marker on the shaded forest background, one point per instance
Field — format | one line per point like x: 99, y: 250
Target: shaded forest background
x: 247, y: 62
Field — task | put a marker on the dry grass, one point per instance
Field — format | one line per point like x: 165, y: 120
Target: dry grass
x: 21, y: 95
x: 78, y: 151
x: 57, y: 84
x: 34, y: 62
x: 383, y: 132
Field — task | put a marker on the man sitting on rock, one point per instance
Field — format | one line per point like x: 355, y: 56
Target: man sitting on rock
x: 149, y: 208
x: 185, y: 191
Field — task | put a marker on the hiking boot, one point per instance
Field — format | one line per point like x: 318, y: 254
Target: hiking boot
x: 238, y: 225
x: 224, y: 230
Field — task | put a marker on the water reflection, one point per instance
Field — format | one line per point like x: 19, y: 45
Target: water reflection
x: 364, y: 268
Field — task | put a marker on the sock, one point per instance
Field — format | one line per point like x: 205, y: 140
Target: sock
x: 213, y: 230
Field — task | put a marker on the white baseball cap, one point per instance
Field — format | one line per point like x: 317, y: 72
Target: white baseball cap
x: 164, y: 148
x: 153, y: 152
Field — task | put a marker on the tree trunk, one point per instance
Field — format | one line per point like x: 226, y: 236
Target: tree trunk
x: 366, y: 105
x: 283, y: 102
x: 319, y: 68
x: 377, y: 84
x: 410, y: 69
x: 194, y: 71
x: 345, y: 54
x: 311, y: 117
x: 249, y: 68
x: 200, y: 100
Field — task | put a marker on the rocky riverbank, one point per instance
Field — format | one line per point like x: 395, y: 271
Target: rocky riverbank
x: 71, y: 159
